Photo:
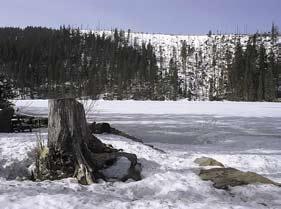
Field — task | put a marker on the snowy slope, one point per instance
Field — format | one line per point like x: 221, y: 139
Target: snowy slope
x: 206, y: 59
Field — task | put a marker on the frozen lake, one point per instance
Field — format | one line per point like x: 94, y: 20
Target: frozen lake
x: 219, y: 126
x: 200, y: 130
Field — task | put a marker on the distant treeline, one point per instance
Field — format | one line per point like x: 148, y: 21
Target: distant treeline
x: 63, y: 62
x: 255, y: 72
x: 52, y: 63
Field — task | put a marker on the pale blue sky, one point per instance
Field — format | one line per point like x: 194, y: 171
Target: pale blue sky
x: 164, y: 16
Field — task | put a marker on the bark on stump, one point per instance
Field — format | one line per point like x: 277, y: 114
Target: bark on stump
x: 72, y: 150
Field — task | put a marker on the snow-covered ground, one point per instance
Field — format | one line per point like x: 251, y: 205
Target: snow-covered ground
x: 246, y: 136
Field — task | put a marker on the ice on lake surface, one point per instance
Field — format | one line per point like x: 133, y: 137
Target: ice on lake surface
x: 246, y: 136
x: 216, y: 132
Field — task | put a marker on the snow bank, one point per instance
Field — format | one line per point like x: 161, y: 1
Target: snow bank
x: 169, y: 181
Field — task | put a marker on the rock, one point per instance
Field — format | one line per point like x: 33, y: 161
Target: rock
x: 206, y: 161
x: 122, y: 170
x: 225, y: 177
x: 117, y: 166
x: 99, y: 128
x: 6, y: 116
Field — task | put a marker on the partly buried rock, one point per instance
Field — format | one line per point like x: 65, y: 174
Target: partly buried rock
x: 225, y: 177
x: 122, y: 170
x: 206, y: 161
x: 6, y: 116
x: 117, y: 166
x: 99, y: 128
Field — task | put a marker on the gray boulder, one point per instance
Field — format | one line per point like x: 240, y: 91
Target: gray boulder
x: 117, y: 166
x: 206, y: 161
x: 122, y: 170
x: 225, y: 177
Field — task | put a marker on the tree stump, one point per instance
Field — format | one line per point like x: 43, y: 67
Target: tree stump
x: 72, y: 150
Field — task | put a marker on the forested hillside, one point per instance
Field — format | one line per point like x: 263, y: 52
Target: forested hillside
x: 123, y: 65
x: 215, y: 66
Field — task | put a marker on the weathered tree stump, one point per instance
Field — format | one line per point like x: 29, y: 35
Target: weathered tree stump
x: 72, y: 150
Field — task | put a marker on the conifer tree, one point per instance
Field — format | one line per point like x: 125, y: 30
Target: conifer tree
x: 6, y: 91
x: 250, y: 69
x: 236, y: 75
x: 270, y: 86
x: 262, y: 68
x: 184, y: 65
x: 173, y: 70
